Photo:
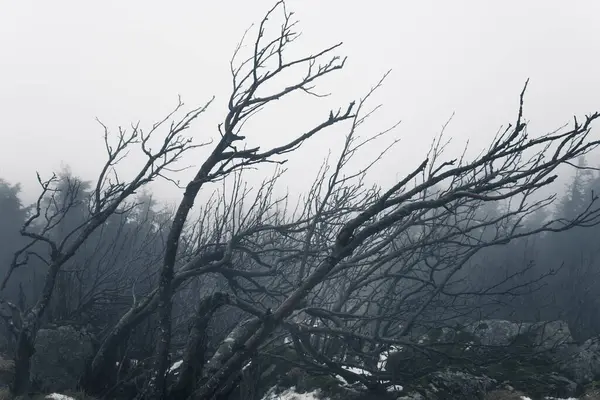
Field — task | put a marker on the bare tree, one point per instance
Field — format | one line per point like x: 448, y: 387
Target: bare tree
x: 417, y: 234
x: 350, y: 261
x: 109, y: 196
x: 245, y: 101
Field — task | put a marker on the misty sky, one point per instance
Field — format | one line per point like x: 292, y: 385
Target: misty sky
x: 64, y: 63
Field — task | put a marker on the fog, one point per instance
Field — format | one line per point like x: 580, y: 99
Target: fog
x: 433, y: 252
x: 65, y: 63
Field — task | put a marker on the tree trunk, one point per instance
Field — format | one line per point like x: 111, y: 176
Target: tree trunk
x: 194, y: 355
x: 229, y: 364
x: 25, y: 349
x: 156, y: 385
x: 217, y: 381
x: 106, y: 356
x: 100, y: 376
x: 155, y: 389
x: 29, y: 328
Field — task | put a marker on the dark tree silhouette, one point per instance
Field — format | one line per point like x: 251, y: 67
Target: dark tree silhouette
x: 344, y: 274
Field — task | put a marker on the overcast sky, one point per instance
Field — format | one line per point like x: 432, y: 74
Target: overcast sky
x: 64, y: 63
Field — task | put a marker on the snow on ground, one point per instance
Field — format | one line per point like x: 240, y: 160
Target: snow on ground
x: 341, y: 380
x: 291, y: 394
x: 359, y: 371
x: 58, y: 396
x: 175, y: 365
x: 383, y: 356
x: 395, y: 388
x: 549, y: 398
x: 355, y: 370
x: 345, y: 383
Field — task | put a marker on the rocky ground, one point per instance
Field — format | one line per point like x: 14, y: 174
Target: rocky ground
x: 514, y: 361
x: 489, y: 360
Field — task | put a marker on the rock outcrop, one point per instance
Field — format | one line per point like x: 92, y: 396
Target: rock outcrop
x: 581, y: 363
x: 60, y: 359
x: 489, y: 359
x: 7, y: 370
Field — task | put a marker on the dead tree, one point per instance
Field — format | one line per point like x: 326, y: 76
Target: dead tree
x: 362, y: 241
x: 266, y: 64
x: 109, y: 196
x: 427, y: 216
x: 352, y: 261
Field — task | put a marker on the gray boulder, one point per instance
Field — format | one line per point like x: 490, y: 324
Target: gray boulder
x: 459, y: 385
x: 495, y: 332
x: 60, y: 358
x: 551, y: 335
x: 543, y: 336
x: 545, y: 385
x: 581, y: 363
x: 7, y: 371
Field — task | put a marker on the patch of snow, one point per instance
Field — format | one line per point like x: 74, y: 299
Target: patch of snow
x: 382, y: 361
x: 341, y: 379
x: 247, y: 365
x: 383, y: 356
x: 229, y: 340
x: 175, y: 365
x: 343, y: 382
x: 133, y: 362
x: 58, y: 396
x: 291, y: 394
x: 556, y: 398
x: 287, y: 340
x: 395, y: 388
x: 550, y: 398
x: 358, y: 371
